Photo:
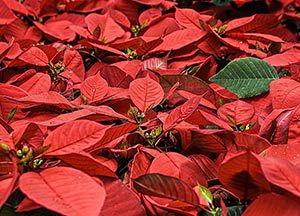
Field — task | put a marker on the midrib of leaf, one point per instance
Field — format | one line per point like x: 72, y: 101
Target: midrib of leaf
x: 79, y: 140
x: 58, y: 195
x: 146, y: 96
x: 288, y: 179
x: 36, y: 56
x: 194, y: 23
x: 173, y: 162
x: 94, y: 89
x: 34, y: 83
x: 69, y: 62
x: 121, y: 81
x: 286, y: 96
x: 162, y: 194
x: 246, y: 77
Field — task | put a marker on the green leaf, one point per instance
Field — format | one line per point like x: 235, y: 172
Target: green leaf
x: 236, y: 210
x: 212, y: 127
x: 221, y: 2
x: 205, y: 193
x: 158, y: 131
x: 246, y: 77
x: 230, y: 119
x: 263, y: 154
x: 7, y: 211
x: 4, y: 148
x: 11, y: 114
x: 249, y: 126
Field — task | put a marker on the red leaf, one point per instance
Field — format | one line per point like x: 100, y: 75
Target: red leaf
x: 284, y: 124
x: 180, y: 38
x: 207, y: 141
x: 253, y: 142
x: 147, y: 45
x: 28, y: 133
x: 120, y: 197
x: 17, y: 6
x: 149, y: 2
x: 276, y: 126
x: 140, y: 164
x: 290, y: 152
x: 190, y: 18
x: 181, y: 113
x: 89, y: 6
x: 6, y: 15
x: 64, y: 190
x: 5, y: 48
x: 27, y: 205
x: 116, y: 77
x: 67, y: 117
x: 94, y: 88
x: 109, y: 29
x: 81, y: 135
x: 86, y: 163
x: 50, y: 98
x: 214, y: 120
x: 207, y: 166
x: 204, y: 102
x: 243, y: 46
x: 35, y: 56
x: 252, y: 23
x: 131, y: 68
x: 5, y: 130
x: 243, y: 176
x: 108, y: 49
x: 6, y: 104
x: 293, y: 125
x: 5, y: 190
x: 273, y: 205
x: 179, y: 166
x: 37, y: 84
x: 256, y: 36
x: 166, y: 187
x: 285, y: 93
x: 8, y: 177
x: 284, y: 59
x: 148, y: 16
x: 187, y: 83
x: 20, y: 78
x: 239, y: 112
x: 74, y: 67
x: 112, y: 136
x: 222, y: 93
x: 120, y: 18
x: 20, y: 30
x: 145, y: 92
x: 58, y: 29
x: 69, y: 74
x: 163, y: 26
x: 283, y: 175
x: 106, y: 111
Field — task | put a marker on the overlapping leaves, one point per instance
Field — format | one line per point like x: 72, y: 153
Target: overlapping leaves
x: 107, y: 107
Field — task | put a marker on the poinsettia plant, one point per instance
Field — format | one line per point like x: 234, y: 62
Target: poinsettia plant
x: 149, y: 107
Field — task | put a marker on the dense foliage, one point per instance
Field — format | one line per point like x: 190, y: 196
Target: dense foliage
x: 149, y: 107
